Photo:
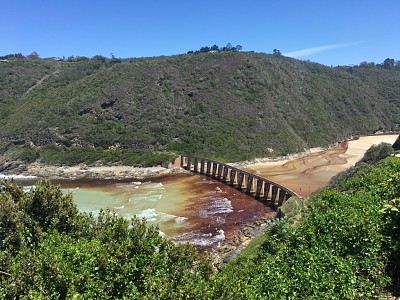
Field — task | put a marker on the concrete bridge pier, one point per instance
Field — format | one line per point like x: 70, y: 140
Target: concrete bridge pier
x: 240, y: 181
x: 214, y: 169
x: 258, y: 188
x: 232, y: 177
x: 267, y: 191
x: 202, y: 163
x: 249, y: 184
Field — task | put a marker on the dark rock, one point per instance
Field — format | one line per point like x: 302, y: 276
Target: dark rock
x: 85, y: 111
x: 396, y: 145
x: 108, y: 104
x: 139, y: 145
x: 19, y: 142
x: 12, y: 167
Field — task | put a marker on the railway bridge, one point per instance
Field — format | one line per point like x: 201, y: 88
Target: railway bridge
x: 267, y: 191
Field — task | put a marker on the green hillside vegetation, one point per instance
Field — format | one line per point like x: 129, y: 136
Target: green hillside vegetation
x: 229, y: 106
x: 346, y: 246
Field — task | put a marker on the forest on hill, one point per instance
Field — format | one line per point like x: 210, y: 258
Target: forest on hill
x: 227, y: 105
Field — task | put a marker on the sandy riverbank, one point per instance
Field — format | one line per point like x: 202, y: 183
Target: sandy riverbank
x: 309, y: 171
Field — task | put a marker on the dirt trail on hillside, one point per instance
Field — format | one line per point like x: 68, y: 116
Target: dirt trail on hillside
x: 41, y: 80
x: 306, y: 174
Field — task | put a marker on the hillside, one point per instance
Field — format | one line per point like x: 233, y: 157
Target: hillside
x: 227, y: 106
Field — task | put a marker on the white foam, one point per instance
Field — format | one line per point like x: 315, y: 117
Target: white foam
x: 15, y: 176
x: 144, y: 198
x: 119, y: 207
x: 217, y: 206
x: 149, y: 214
x: 28, y: 188
x: 157, y: 185
x: 153, y: 198
x: 180, y: 219
x: 201, y: 239
x: 165, y: 217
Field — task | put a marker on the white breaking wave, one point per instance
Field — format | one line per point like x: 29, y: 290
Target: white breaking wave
x: 180, y: 219
x: 217, y: 206
x: 149, y: 214
x: 143, y: 198
x: 119, y: 207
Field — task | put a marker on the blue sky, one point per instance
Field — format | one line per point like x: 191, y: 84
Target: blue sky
x: 331, y: 32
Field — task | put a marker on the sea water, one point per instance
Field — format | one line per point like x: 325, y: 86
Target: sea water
x: 185, y: 207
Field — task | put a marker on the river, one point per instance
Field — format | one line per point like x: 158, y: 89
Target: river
x: 202, y: 211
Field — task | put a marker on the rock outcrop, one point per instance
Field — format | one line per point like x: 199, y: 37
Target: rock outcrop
x: 396, y: 145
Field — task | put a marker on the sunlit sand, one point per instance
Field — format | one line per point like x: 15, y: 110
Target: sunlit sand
x: 306, y: 174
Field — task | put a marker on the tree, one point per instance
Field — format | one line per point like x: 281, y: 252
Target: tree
x: 276, y: 52
x: 388, y: 63
x: 99, y: 58
x: 214, y: 48
x: 376, y: 153
x: 239, y: 48
x: 34, y: 55
x: 205, y: 49
x: 366, y: 64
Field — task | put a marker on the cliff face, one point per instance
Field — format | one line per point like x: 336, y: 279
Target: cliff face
x: 228, y: 106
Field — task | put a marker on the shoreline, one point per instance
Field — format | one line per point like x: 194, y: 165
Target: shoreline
x: 82, y: 171
x: 228, y: 248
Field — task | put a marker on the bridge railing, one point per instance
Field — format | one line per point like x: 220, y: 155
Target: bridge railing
x: 263, y: 189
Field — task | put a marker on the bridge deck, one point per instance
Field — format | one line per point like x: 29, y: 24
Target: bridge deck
x: 267, y: 191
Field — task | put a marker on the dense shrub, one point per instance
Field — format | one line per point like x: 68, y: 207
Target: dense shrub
x: 346, y: 247
x: 50, y: 251
x: 377, y: 153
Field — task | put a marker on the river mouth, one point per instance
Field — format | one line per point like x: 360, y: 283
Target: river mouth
x: 203, y: 211
x: 186, y: 207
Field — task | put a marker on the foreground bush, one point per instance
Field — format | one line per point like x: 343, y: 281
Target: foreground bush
x: 346, y: 247
x: 50, y: 251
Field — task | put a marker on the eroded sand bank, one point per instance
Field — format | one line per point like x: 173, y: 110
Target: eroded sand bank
x: 306, y: 174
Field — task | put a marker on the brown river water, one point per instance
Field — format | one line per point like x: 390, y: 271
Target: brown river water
x: 200, y: 210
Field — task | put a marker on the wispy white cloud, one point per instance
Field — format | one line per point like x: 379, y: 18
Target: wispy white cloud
x: 315, y: 50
